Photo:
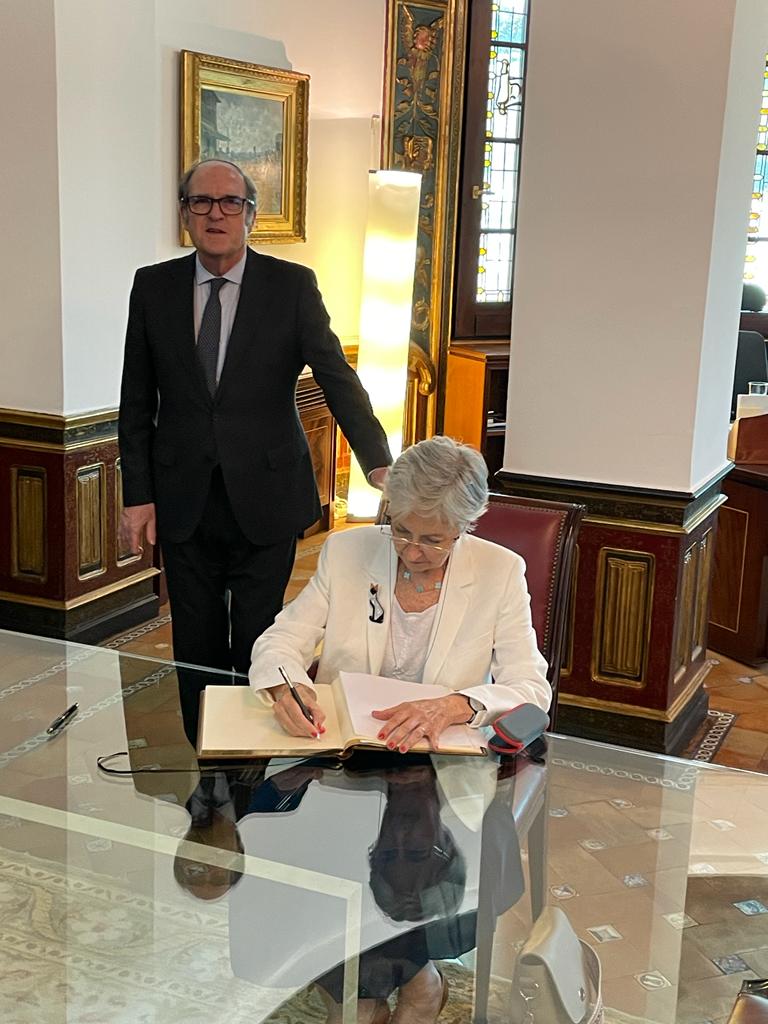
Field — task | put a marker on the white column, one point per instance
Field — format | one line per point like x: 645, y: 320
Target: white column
x: 30, y: 280
x: 639, y: 140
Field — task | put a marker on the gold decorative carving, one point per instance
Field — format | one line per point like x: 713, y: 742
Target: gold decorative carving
x: 418, y: 153
x: 91, y: 520
x: 29, y: 553
x: 422, y: 378
x: 622, y: 625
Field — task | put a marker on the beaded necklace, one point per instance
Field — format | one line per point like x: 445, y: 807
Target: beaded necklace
x: 419, y: 587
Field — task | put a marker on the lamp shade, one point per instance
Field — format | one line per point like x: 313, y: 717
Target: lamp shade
x: 389, y: 262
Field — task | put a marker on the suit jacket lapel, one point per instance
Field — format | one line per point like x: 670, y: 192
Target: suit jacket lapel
x: 181, y: 303
x: 460, y: 579
x: 380, y: 571
x: 255, y: 293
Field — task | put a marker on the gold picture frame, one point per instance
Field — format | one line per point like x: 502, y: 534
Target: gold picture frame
x: 257, y: 117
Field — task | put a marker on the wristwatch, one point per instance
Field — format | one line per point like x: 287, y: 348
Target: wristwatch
x: 476, y: 706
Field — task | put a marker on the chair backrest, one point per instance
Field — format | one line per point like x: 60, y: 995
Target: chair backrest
x: 751, y: 364
x: 544, y: 533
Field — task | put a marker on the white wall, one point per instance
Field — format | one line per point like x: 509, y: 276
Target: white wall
x: 30, y: 294
x: 618, y: 236
x: 744, y: 86
x: 95, y: 147
x: 108, y: 183
x: 341, y: 47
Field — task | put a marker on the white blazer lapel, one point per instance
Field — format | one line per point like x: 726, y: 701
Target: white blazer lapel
x: 458, y: 584
x: 380, y: 573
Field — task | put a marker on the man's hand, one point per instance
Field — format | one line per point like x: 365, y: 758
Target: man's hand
x: 377, y: 477
x: 135, y: 521
x: 414, y: 720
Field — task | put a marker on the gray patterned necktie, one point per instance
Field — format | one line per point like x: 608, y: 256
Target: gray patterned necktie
x: 210, y: 333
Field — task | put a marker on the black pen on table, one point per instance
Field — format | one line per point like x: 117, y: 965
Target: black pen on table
x: 63, y: 718
x: 295, y: 694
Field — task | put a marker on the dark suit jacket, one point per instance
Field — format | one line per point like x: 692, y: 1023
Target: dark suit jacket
x: 172, y: 433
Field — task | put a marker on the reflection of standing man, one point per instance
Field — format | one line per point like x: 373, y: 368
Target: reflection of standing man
x: 214, y: 459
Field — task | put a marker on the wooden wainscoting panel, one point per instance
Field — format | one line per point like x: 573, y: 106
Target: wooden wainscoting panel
x: 728, y: 574
x: 29, y: 498
x: 687, y: 605
x: 91, y: 520
x: 623, y: 604
x: 706, y: 547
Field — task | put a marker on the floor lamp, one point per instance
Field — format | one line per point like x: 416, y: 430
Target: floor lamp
x: 385, y: 314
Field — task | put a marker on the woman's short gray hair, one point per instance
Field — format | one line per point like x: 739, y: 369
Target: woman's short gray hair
x: 442, y: 478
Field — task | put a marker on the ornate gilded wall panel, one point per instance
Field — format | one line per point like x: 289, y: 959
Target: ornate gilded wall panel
x: 29, y: 556
x: 421, y: 132
x: 623, y: 605
x: 91, y: 520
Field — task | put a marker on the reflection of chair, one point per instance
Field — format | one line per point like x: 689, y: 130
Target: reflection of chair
x: 544, y: 533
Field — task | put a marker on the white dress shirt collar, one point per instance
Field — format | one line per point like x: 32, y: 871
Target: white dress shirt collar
x: 234, y: 274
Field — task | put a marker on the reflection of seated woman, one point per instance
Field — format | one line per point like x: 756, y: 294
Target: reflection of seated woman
x: 417, y: 874
x: 426, y: 602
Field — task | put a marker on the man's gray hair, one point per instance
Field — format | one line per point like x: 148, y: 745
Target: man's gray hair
x: 442, y: 478
x: 250, y: 188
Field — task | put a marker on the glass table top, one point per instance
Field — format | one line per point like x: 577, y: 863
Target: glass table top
x: 174, y: 891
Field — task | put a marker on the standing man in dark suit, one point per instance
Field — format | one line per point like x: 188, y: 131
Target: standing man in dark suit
x: 215, y: 463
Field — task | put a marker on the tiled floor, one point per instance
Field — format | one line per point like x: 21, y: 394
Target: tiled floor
x: 732, y: 687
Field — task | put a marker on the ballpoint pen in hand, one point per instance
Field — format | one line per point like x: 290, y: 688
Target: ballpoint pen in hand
x: 63, y: 718
x: 295, y: 694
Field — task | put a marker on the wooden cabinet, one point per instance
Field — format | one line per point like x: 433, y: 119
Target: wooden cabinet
x: 738, y: 615
x: 320, y: 428
x: 476, y: 397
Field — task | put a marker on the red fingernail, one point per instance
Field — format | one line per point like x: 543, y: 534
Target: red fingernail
x: 391, y: 745
x: 322, y: 728
x: 403, y: 750
x: 381, y: 735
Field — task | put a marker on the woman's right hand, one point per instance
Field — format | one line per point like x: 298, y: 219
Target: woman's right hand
x: 290, y: 716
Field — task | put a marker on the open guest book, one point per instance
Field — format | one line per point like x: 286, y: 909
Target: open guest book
x: 234, y: 721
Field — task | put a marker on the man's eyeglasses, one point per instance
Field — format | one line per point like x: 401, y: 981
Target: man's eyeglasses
x: 401, y: 541
x: 230, y: 206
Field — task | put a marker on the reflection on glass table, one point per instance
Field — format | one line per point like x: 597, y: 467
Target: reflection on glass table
x: 282, y: 891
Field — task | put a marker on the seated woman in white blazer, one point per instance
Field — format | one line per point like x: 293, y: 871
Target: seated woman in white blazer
x: 422, y: 600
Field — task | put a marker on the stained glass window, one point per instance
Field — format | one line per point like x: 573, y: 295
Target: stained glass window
x: 756, y: 262
x: 506, y: 67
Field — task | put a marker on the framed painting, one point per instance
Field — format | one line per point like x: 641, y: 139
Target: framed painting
x: 256, y: 117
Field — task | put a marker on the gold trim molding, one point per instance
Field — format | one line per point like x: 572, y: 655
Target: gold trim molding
x: 618, y: 708
x: 76, y: 602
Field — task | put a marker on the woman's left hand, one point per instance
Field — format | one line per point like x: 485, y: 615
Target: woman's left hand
x: 412, y: 721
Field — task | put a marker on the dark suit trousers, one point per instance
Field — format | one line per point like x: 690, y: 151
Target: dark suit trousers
x: 224, y: 592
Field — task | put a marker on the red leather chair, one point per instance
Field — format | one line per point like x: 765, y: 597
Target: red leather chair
x: 544, y: 533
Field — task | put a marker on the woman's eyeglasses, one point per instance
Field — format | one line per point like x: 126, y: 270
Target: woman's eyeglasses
x: 400, y: 540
